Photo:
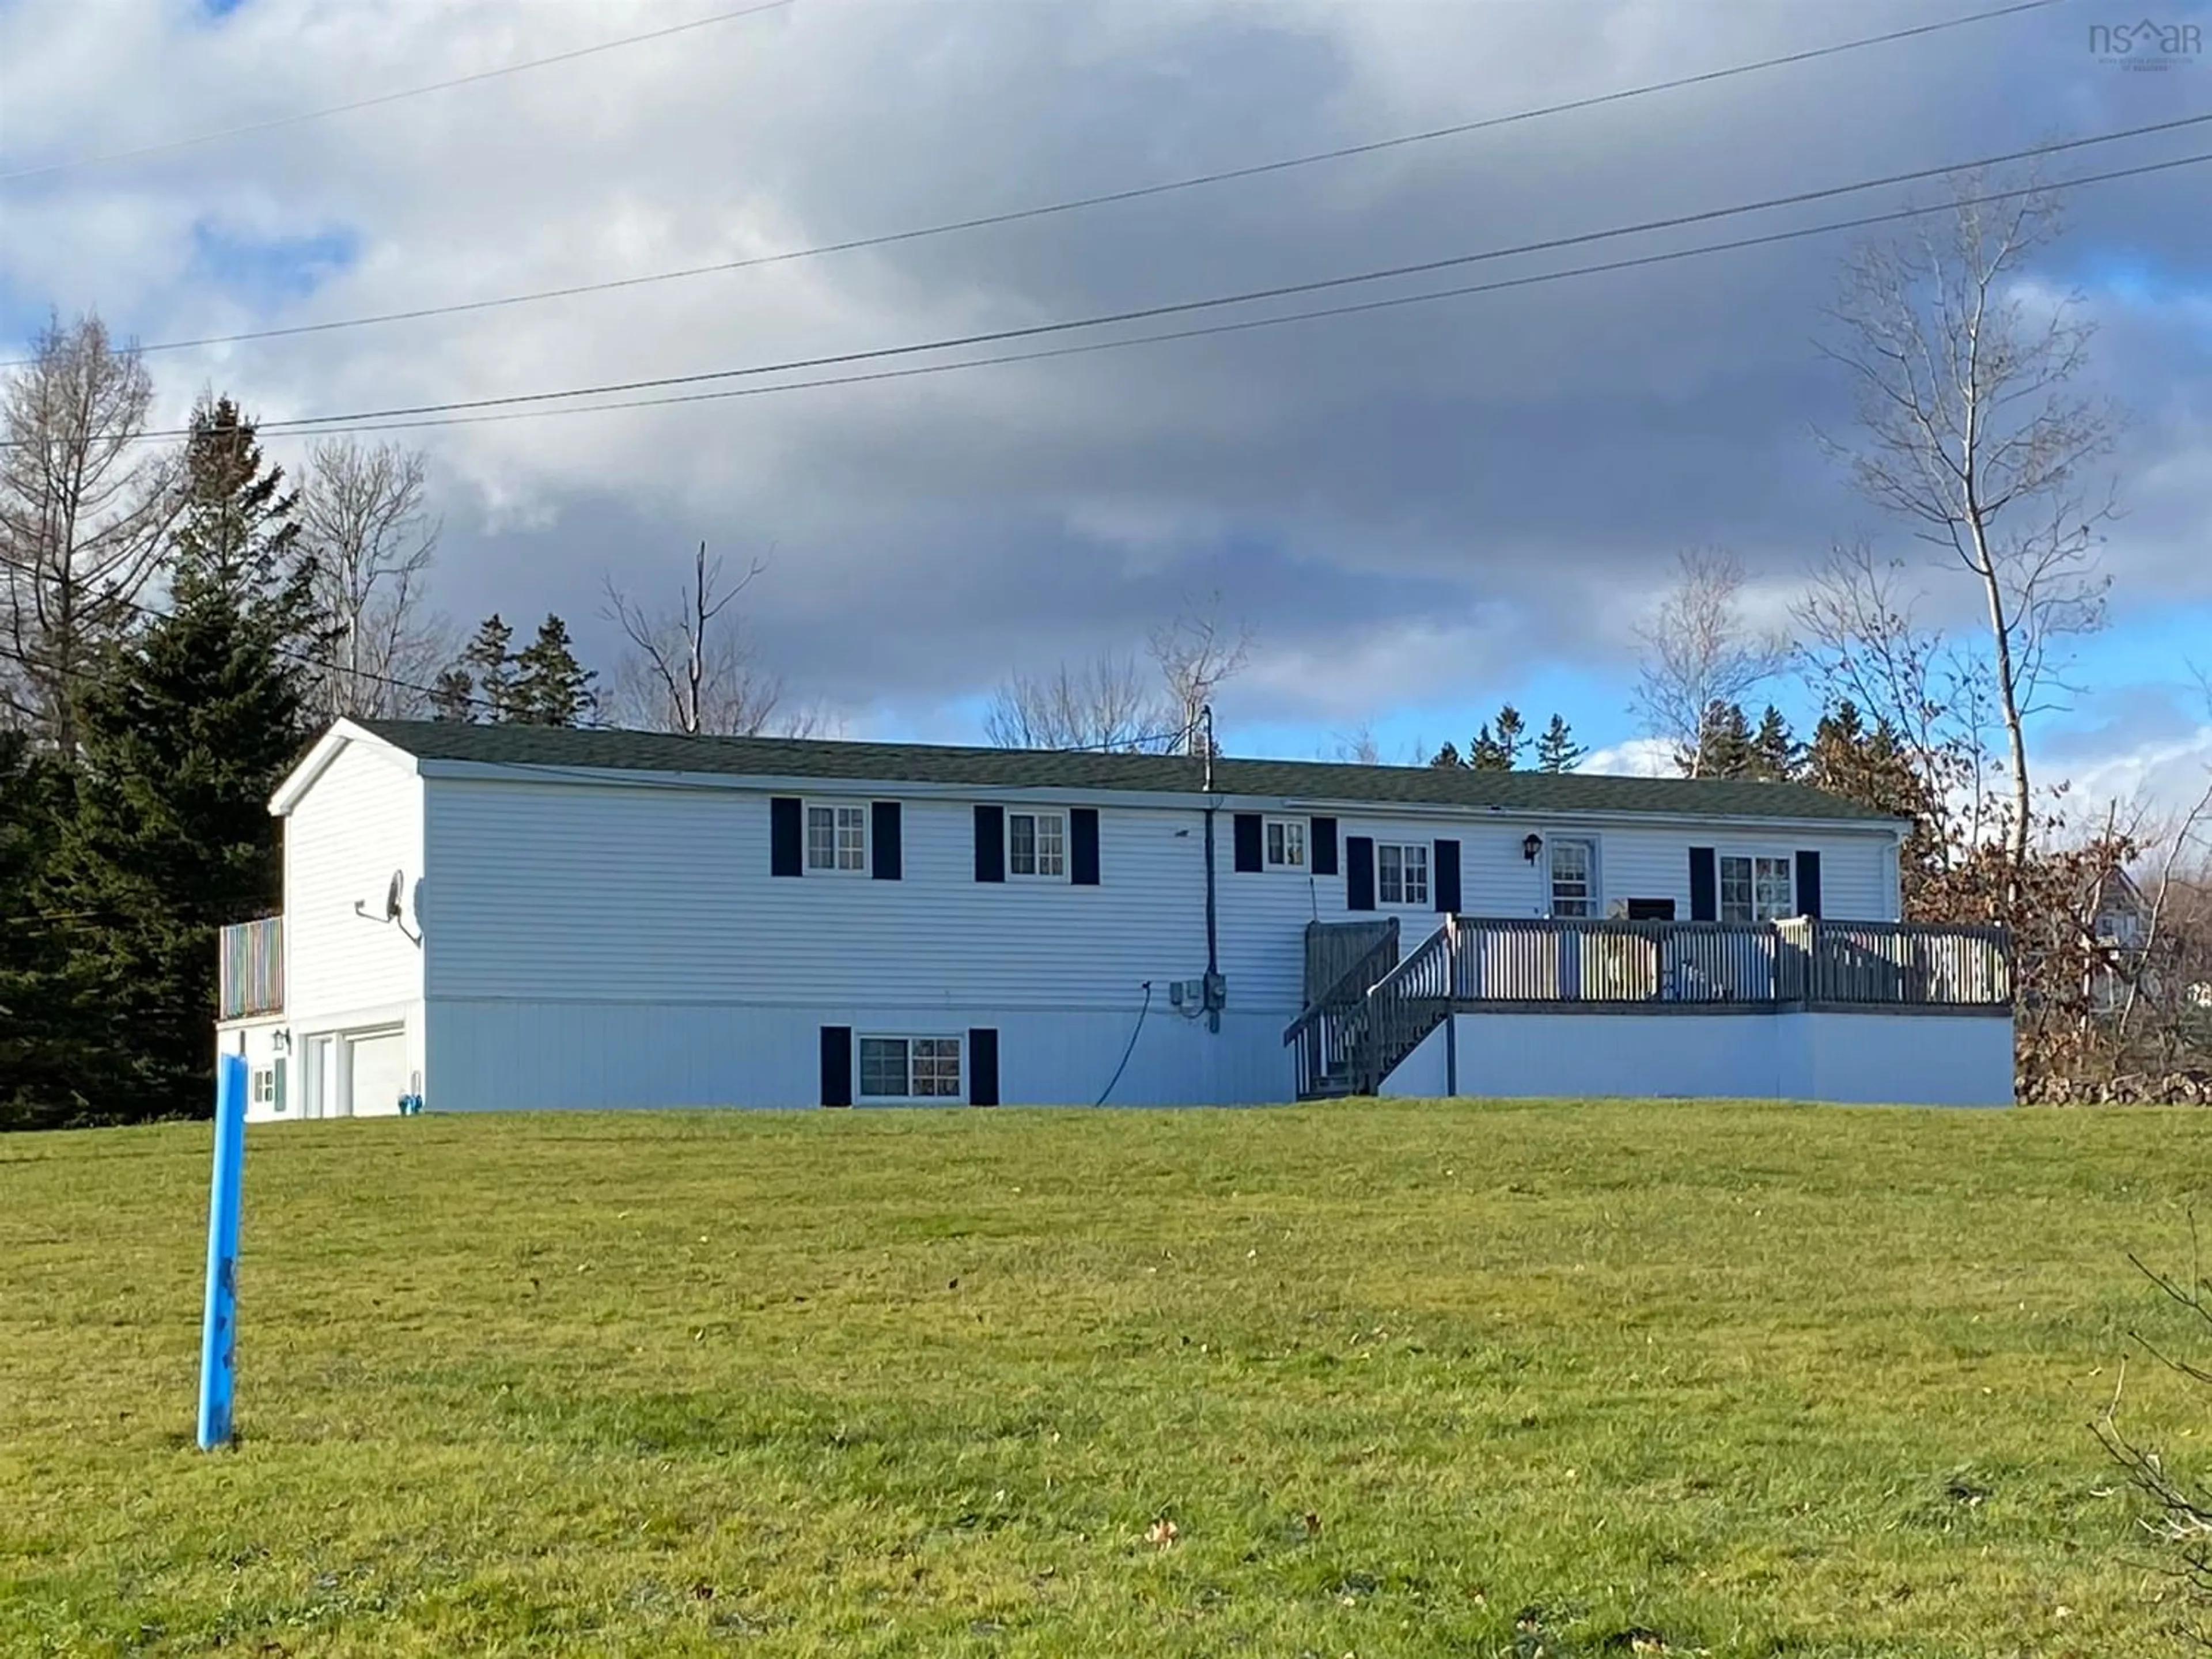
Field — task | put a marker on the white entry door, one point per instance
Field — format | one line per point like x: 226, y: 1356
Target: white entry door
x: 318, y: 1080
x: 376, y: 1072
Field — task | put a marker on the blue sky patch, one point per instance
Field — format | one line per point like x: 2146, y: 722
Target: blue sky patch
x: 271, y: 272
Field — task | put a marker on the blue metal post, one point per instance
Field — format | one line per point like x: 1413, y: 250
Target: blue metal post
x: 219, y: 1329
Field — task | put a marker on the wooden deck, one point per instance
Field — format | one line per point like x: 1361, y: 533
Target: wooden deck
x: 1348, y: 1040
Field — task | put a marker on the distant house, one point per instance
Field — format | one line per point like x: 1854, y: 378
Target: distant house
x: 483, y: 918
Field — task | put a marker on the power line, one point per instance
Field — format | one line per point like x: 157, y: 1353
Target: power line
x: 1245, y: 325
x: 1104, y: 199
x: 166, y: 145
x: 320, y: 423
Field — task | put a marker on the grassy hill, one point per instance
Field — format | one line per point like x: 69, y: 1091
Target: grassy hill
x: 1403, y: 1379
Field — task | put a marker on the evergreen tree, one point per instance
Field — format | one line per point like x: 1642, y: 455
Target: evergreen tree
x: 1724, y: 744
x: 489, y: 659
x: 37, y: 1045
x: 551, y: 688
x: 1871, y: 766
x: 193, y: 721
x: 1447, y: 757
x: 1498, y: 751
x: 1774, y: 749
x: 454, y: 696
x: 1557, y: 750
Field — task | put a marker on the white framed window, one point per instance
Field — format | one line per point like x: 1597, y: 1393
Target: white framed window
x: 1756, y: 887
x: 264, y: 1091
x: 1574, y: 877
x: 1287, y: 844
x: 910, y: 1068
x: 1401, y: 874
x: 1036, y: 845
x: 838, y: 839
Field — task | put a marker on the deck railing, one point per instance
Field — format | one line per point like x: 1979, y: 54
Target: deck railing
x: 251, y: 977
x: 1830, y: 963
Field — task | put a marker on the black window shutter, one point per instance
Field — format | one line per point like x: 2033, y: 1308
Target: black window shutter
x: 990, y: 843
x: 983, y: 1065
x: 884, y: 852
x: 1705, y: 886
x: 1359, y: 873
x: 1082, y: 849
x: 786, y: 836
x: 1446, y: 881
x: 1808, y: 884
x: 1248, y: 842
x: 1324, y: 846
x: 836, y: 1065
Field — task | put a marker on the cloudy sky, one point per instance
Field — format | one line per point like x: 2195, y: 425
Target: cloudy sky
x: 1419, y: 511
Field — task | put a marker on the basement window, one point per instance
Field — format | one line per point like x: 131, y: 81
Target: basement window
x: 264, y: 1089
x: 910, y: 1068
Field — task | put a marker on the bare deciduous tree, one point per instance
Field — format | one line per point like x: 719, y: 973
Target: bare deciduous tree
x: 364, y: 519
x: 1102, y: 704
x: 1861, y: 641
x: 1700, y: 651
x: 1106, y: 704
x: 82, y: 510
x: 1972, y: 430
x: 692, y: 670
x: 1197, y: 652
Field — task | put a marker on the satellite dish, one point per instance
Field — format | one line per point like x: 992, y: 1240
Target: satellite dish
x: 392, y: 894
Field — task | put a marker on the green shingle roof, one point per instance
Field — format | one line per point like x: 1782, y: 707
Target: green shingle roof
x: 1023, y: 768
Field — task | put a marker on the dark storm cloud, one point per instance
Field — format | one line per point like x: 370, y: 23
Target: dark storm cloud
x: 1501, y: 479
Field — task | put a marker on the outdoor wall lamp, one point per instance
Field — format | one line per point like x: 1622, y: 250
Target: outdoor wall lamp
x: 1531, y: 847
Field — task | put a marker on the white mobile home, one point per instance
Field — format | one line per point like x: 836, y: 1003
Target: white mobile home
x: 500, y: 917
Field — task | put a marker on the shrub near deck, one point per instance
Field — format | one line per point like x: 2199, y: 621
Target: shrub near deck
x: 1399, y: 1379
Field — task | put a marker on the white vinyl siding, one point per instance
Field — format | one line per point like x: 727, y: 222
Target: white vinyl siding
x: 589, y: 891
x: 570, y: 893
x: 358, y: 824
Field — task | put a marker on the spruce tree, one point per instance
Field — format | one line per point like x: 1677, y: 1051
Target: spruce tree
x: 1556, y: 751
x: 551, y: 688
x: 454, y: 696
x: 1871, y: 766
x: 39, y: 1047
x: 489, y: 659
x: 193, y: 721
x: 1498, y: 749
x: 1724, y: 744
x: 1447, y: 757
x: 1775, y: 751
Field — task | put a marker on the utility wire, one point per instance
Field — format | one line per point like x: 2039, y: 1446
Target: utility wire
x: 1242, y: 325
x: 166, y: 145
x: 1082, y: 203
x: 360, y: 419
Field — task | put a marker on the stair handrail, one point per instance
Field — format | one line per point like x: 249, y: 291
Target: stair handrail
x: 1350, y: 987
x: 1391, y: 1025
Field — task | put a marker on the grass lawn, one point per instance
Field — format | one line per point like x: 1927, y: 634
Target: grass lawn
x: 1402, y: 1378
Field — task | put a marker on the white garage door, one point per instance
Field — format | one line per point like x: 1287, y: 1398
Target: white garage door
x: 377, y: 1072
